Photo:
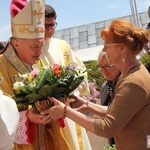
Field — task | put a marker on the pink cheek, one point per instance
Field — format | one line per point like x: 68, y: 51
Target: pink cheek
x: 103, y: 50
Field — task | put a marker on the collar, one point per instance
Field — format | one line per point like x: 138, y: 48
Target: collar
x: 15, y: 61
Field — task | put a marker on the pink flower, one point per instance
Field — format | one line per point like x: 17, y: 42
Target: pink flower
x: 35, y: 72
x: 94, y: 93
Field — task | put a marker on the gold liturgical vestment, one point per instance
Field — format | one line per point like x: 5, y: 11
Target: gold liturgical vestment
x: 53, y: 138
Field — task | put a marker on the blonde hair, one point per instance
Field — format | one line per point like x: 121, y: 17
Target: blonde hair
x: 102, y: 55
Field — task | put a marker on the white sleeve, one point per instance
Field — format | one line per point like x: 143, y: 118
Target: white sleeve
x: 6, y: 142
x: 9, y: 117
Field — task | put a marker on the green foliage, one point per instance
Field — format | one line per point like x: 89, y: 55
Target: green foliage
x: 94, y: 73
x: 145, y: 59
x: 108, y: 147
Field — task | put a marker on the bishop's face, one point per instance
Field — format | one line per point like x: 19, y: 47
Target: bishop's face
x: 29, y: 50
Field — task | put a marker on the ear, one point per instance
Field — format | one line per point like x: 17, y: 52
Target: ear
x: 16, y: 44
x: 123, y: 49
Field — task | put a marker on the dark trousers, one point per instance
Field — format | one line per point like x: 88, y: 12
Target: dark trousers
x: 111, y: 141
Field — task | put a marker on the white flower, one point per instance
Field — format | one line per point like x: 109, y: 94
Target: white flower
x: 24, y: 76
x: 17, y: 86
x: 32, y: 84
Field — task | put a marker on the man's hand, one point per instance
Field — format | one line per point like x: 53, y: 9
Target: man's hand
x: 38, y: 118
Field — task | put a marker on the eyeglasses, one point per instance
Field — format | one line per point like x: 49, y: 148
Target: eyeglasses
x: 106, y: 67
x: 111, y: 44
x: 52, y: 25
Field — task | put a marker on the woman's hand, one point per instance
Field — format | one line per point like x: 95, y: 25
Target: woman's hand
x: 56, y: 112
x: 38, y: 118
x: 80, y: 104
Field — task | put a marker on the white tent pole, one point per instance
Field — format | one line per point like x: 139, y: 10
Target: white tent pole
x: 136, y: 13
x: 132, y: 11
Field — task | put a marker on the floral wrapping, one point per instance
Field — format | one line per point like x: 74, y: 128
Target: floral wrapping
x: 45, y: 104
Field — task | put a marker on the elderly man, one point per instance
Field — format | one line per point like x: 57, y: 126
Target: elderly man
x: 35, y: 131
x: 20, y: 56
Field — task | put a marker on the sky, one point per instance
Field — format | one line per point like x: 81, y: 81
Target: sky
x: 71, y: 13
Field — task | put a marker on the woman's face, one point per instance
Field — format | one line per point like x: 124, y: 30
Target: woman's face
x: 109, y: 71
x: 113, y: 52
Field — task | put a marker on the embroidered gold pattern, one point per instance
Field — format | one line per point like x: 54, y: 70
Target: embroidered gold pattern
x: 66, y: 56
x: 28, y: 31
x: 79, y: 135
x: 12, y: 57
x: 65, y: 49
x: 38, y: 11
x: 41, y: 132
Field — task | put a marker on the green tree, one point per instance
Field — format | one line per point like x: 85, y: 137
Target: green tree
x: 94, y: 73
x: 145, y: 59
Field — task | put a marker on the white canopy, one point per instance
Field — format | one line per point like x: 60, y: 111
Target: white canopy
x: 93, y: 52
x: 88, y: 53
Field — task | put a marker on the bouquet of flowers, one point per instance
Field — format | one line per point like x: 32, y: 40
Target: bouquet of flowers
x: 49, y: 81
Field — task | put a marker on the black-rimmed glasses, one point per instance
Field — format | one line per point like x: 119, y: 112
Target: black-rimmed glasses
x: 52, y: 25
x: 106, y: 67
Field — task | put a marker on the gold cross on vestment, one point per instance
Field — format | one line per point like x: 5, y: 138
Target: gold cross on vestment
x: 66, y: 56
x: 38, y: 11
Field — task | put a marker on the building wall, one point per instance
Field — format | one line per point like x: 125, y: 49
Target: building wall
x: 88, y: 35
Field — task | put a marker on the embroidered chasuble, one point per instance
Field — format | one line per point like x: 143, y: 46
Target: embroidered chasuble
x: 48, y: 137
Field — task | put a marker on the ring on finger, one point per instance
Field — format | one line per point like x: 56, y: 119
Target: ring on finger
x: 48, y: 116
